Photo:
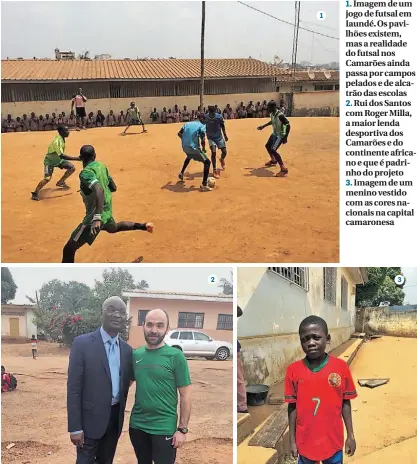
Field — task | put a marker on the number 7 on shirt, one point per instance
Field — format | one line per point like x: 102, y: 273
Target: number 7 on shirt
x: 317, y: 405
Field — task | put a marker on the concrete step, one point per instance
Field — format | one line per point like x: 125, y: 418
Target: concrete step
x: 244, y: 426
x: 255, y: 454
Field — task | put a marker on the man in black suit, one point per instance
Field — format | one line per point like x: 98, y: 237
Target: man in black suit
x: 99, y: 375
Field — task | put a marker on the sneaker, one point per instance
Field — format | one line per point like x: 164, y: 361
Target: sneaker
x: 271, y: 163
x: 216, y: 174
x: 282, y: 173
x: 205, y: 188
x: 77, y: 129
x: 223, y: 164
x: 84, y: 128
x: 63, y: 185
x: 181, y: 177
x: 35, y: 196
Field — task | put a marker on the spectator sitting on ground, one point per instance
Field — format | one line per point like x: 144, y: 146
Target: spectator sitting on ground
x: 121, y: 119
x: 54, y: 121
x: 48, y: 124
x: 65, y: 118
x: 72, y: 121
x: 91, y: 122
x: 170, y: 116
x: 18, y: 126
x: 100, y: 119
x: 8, y: 124
x: 33, y: 122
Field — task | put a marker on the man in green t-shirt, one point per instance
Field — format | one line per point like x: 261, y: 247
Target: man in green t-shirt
x: 280, y: 131
x: 134, y: 118
x: 160, y: 372
x: 55, y: 158
x: 96, y: 187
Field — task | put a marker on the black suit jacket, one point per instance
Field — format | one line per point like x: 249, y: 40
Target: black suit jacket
x: 89, y: 388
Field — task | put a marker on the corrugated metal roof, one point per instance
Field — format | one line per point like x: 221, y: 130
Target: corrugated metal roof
x: 53, y: 70
x: 202, y: 295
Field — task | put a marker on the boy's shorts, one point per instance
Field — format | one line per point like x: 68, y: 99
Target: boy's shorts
x: 274, y: 142
x: 195, y: 154
x: 82, y: 234
x: 49, y: 170
x: 337, y: 458
x: 136, y: 122
x: 219, y: 143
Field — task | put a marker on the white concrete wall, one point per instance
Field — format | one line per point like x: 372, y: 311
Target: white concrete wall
x: 273, y: 309
x: 31, y: 326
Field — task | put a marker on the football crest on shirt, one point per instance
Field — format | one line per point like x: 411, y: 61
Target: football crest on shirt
x: 335, y: 380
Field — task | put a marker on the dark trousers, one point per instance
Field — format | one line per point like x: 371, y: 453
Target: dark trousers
x: 156, y: 448
x: 101, y: 451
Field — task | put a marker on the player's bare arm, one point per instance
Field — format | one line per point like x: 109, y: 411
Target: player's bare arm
x: 180, y: 133
x: 292, y: 418
x: 265, y: 125
x: 350, y: 445
x: 223, y: 127
x: 98, y: 192
x: 112, y: 185
x: 203, y: 141
x: 185, y: 413
x: 70, y: 158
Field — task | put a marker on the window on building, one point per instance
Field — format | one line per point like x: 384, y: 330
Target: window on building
x: 142, y: 315
x: 225, y: 322
x: 186, y: 336
x: 201, y: 337
x: 323, y: 87
x: 277, y: 88
x: 344, y: 293
x: 297, y: 88
x: 190, y: 320
x: 296, y: 275
x: 329, y: 280
x: 174, y: 335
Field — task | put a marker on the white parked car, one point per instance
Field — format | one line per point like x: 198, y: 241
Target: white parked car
x: 195, y: 343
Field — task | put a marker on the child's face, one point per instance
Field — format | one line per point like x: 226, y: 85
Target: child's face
x: 313, y: 341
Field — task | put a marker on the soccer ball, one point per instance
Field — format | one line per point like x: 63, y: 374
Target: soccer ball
x: 211, y: 182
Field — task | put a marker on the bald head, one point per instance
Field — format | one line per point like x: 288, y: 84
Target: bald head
x: 155, y: 327
x: 114, y: 315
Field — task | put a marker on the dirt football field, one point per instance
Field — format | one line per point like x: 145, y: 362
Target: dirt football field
x: 34, y: 416
x: 251, y: 216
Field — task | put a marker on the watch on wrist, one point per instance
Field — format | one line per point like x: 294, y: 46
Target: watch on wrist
x: 183, y: 430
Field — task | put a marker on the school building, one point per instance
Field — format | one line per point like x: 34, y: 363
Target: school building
x: 46, y: 86
x: 275, y: 300
x: 210, y: 314
x: 17, y: 321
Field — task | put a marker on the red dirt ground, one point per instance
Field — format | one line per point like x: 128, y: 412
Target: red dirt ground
x: 251, y: 216
x: 34, y: 416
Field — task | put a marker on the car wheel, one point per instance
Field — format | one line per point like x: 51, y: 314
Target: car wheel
x: 177, y: 347
x: 222, y: 354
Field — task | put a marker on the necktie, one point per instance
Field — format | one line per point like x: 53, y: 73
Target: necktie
x: 114, y: 365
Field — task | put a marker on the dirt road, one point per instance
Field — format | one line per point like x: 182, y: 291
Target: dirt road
x: 251, y: 216
x: 34, y: 416
x: 386, y: 415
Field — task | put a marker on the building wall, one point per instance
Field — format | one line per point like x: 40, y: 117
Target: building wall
x: 211, y: 311
x: 146, y: 104
x: 316, y: 103
x: 395, y: 323
x: 5, y: 322
x: 273, y: 309
x: 31, y: 326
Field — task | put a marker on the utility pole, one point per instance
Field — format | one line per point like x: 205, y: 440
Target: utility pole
x: 294, y: 53
x: 203, y: 27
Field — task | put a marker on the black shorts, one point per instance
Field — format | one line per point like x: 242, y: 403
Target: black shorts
x: 80, y: 112
x: 152, y: 448
x: 274, y: 142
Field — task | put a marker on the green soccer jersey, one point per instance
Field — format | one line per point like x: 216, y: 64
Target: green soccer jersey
x: 93, y: 173
x: 158, y: 374
x: 278, y: 128
x: 134, y: 113
x: 55, y: 149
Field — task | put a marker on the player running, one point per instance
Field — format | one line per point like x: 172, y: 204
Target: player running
x: 191, y: 134
x: 280, y: 131
x: 96, y: 187
x: 214, y: 128
x: 55, y: 158
x: 134, y: 118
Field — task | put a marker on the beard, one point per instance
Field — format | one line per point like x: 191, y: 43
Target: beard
x: 154, y: 341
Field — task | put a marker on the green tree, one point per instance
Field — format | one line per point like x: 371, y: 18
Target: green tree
x: 8, y: 286
x: 69, y: 296
x: 114, y: 282
x: 227, y: 285
x: 380, y: 287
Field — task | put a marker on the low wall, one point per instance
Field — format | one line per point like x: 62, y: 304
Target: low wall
x: 266, y: 358
x: 145, y: 104
x: 318, y: 103
x: 394, y: 323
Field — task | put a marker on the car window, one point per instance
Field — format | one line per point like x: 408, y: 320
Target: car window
x: 174, y: 335
x: 186, y: 336
x: 201, y: 336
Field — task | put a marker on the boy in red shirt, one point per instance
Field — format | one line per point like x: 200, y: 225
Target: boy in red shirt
x: 318, y: 389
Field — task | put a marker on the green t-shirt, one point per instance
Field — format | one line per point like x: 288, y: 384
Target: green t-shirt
x: 158, y: 374
x: 277, y: 127
x: 134, y: 113
x: 55, y: 149
x: 93, y: 173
